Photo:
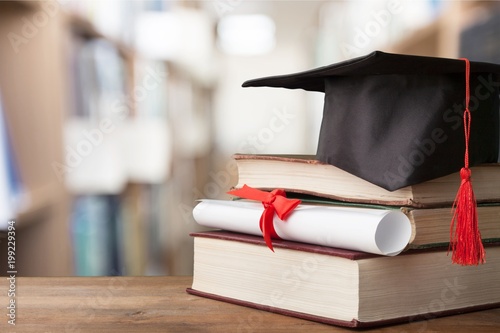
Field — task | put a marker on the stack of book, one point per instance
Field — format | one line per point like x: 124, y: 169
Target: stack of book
x: 331, y: 273
x: 368, y: 245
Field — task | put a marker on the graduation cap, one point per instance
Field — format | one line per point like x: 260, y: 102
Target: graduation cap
x: 397, y: 120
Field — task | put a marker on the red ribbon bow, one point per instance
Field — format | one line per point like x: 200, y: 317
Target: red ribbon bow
x: 274, y: 201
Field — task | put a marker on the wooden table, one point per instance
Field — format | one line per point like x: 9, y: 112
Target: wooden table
x: 160, y: 304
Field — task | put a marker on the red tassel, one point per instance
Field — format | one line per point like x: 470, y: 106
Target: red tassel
x: 465, y: 240
x: 466, y: 243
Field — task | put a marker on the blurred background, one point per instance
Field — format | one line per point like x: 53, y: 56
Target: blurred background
x: 116, y: 116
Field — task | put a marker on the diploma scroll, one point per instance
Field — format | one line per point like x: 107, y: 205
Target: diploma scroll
x: 378, y: 231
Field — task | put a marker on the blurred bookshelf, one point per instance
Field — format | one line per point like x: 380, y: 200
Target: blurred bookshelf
x: 32, y: 85
x: 107, y: 157
x: 128, y: 191
x: 456, y: 32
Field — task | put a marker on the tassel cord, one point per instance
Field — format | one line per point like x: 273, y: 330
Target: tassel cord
x: 465, y: 238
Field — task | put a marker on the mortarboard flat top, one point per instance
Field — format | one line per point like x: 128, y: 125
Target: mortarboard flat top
x: 375, y: 63
x: 396, y: 120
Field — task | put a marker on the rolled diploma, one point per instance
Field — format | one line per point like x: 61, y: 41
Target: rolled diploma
x: 378, y: 231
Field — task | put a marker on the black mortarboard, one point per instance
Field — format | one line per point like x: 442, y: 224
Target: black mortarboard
x: 397, y: 120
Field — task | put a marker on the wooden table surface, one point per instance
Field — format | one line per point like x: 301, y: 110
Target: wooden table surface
x: 160, y: 304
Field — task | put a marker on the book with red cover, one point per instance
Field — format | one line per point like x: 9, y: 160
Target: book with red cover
x: 340, y: 287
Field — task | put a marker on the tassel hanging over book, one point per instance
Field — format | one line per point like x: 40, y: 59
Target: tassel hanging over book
x: 465, y: 241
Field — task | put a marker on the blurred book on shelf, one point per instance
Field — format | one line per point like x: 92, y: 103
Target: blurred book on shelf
x: 12, y: 193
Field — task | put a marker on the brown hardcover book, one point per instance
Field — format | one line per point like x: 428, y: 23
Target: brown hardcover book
x: 304, y: 174
x: 340, y: 287
x: 431, y: 226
